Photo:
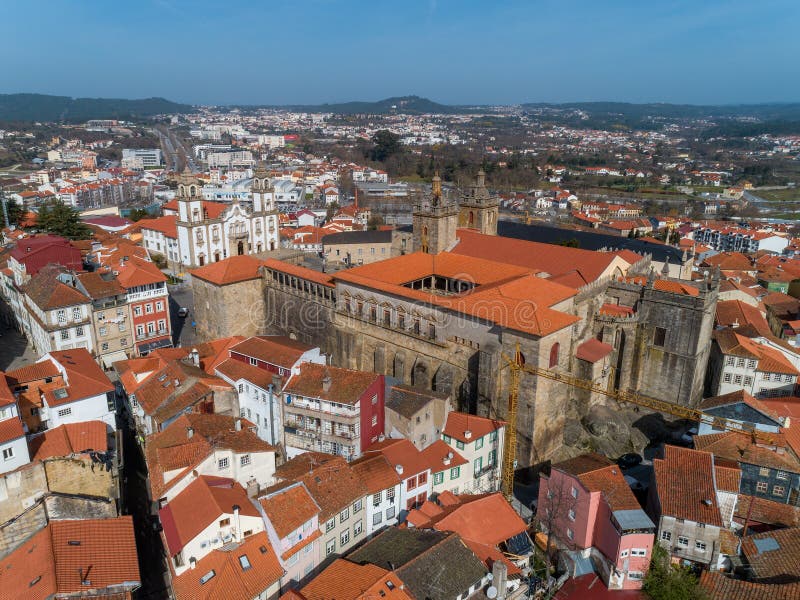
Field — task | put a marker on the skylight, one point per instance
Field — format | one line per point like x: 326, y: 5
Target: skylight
x: 207, y: 577
x: 245, y: 562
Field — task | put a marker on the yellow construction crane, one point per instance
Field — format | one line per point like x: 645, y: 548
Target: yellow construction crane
x: 518, y: 366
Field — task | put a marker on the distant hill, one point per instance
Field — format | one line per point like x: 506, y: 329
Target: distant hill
x: 741, y: 119
x: 42, y: 107
x: 407, y: 105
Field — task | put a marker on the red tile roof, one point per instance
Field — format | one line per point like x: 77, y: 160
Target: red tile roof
x: 779, y: 564
x: 440, y: 457
x: 741, y: 448
x: 401, y: 453
x: 232, y: 580
x: 83, y: 375
x: 345, y: 580
x: 685, y: 485
x: 737, y: 313
x: 720, y: 587
x: 346, y: 385
x: 593, y: 350
x: 231, y: 270
x: 459, y: 423
x: 69, y: 439
x: 289, y: 508
x: 165, y: 225
x: 487, y: 520
x: 11, y: 429
x: 61, y: 557
x: 375, y: 472
x: 275, y: 349
x: 200, y: 504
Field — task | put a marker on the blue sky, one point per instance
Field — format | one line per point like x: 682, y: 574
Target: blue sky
x: 452, y: 51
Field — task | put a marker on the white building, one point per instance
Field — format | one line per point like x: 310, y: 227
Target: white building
x: 481, y: 442
x: 741, y: 363
x: 212, y: 231
x: 229, y: 159
x: 383, y: 490
x: 259, y: 397
x: 13, y: 444
x: 141, y: 158
x: 84, y: 392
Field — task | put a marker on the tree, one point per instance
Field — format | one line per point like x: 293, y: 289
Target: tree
x: 665, y: 581
x: 331, y: 212
x: 386, y: 145
x: 375, y: 221
x: 16, y: 212
x: 58, y: 218
x: 137, y: 214
x: 554, y: 510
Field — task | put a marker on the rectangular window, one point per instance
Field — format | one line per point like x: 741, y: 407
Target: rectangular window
x: 748, y: 381
x: 390, y: 494
x: 455, y: 472
x: 737, y: 380
x: 137, y: 311
x: 358, y: 528
x: 700, y: 546
x: 222, y: 464
x: 638, y: 552
x: 79, y: 331
x: 751, y: 364
x: 683, y: 541
x: 666, y: 535
x: 377, y: 518
x: 574, y: 492
x: 344, y: 515
x: 225, y: 523
x: 8, y: 453
x: 778, y: 490
x: 374, y: 420
x: 740, y: 362
x: 104, y: 346
x: 411, y: 483
x: 357, y: 506
x: 727, y: 378
x: 390, y: 512
x: 571, y: 515
x: 65, y: 334
x: 330, y: 547
x: 763, y: 471
x: 623, y: 554
x: 570, y: 534
x: 479, y: 443
x: 477, y: 465
x: 422, y: 479
x: 459, y: 444
x: 244, y: 460
x: 766, y: 376
x: 104, y: 331
x: 782, y: 475
x: 148, y: 308
x: 376, y: 499
x: 159, y: 306
x: 76, y: 314
x: 659, y: 337
x: 438, y: 478
x: 64, y: 412
x: 330, y: 525
x: 344, y: 539
x: 729, y: 360
x: 61, y: 316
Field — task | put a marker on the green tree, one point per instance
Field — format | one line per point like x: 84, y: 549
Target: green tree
x: 16, y: 212
x: 137, y: 214
x: 58, y: 218
x: 665, y: 581
x: 386, y: 145
x: 375, y: 221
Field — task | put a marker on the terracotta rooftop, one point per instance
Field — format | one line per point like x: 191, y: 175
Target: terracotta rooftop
x: 345, y: 580
x: 233, y: 578
x: 274, y: 349
x: 230, y: 270
x: 741, y: 448
x: 773, y: 555
x: 289, y: 508
x: 440, y: 457
x: 375, y: 472
x: 401, y: 453
x: 69, y: 439
x: 346, y: 386
x: 766, y: 511
x: 458, y: 424
x: 198, y: 506
x: 685, y: 485
x: 83, y: 375
x: 720, y: 587
x: 585, y: 463
x: 593, y: 350
x: 48, y: 293
x: 11, y: 429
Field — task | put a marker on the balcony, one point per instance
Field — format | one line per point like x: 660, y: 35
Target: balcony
x: 148, y: 335
x: 350, y: 417
x: 146, y: 294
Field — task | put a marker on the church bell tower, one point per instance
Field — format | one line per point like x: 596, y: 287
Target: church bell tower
x: 478, y: 209
x: 434, y: 221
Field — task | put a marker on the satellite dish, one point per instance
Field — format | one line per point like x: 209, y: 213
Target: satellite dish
x: 491, y: 592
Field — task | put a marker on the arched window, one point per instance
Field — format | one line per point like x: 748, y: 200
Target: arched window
x: 554, y: 355
x: 471, y: 218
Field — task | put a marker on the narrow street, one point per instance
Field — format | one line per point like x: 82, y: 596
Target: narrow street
x: 152, y: 558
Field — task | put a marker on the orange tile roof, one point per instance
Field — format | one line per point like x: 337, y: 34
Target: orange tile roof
x: 736, y: 312
x: 720, y: 587
x: 777, y: 565
x: 289, y: 508
x: 346, y: 385
x: 136, y: 272
x: 214, y: 352
x: 231, y: 579
x: 593, y: 350
x: 173, y: 450
x: 11, y: 429
x: 766, y: 511
x: 739, y: 447
x: 236, y: 370
x: 345, y: 580
x: 440, y: 457
x: 401, y: 453
x: 47, y: 564
x: 231, y: 270
x: 69, y: 439
x: 376, y: 473
x: 165, y: 225
x: 685, y: 485
x: 728, y: 477
x: 84, y: 377
x: 275, y: 349
x: 458, y: 423
x: 487, y: 520
x: 611, y: 483
x: 200, y: 504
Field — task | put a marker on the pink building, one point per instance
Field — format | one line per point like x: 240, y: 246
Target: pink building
x: 589, y: 510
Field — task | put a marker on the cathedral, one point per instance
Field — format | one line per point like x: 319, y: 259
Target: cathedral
x: 212, y: 231
x: 456, y: 299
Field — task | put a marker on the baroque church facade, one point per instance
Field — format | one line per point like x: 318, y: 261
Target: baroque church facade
x: 212, y: 231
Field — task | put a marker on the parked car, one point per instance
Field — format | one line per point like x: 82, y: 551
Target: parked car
x: 183, y: 312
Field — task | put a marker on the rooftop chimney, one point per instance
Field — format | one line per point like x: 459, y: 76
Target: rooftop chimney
x: 238, y: 425
x: 326, y: 382
x: 399, y: 469
x: 499, y: 578
x: 189, y: 432
x: 192, y: 562
x: 194, y: 356
x: 468, y: 434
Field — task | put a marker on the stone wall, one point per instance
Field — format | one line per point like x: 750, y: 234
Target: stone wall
x: 227, y: 310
